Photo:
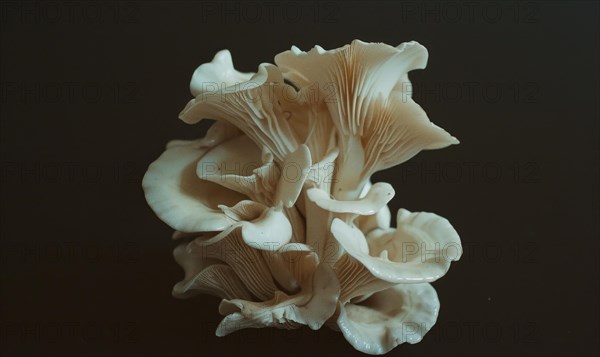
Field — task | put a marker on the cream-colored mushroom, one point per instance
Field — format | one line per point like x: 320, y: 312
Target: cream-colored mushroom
x: 275, y: 210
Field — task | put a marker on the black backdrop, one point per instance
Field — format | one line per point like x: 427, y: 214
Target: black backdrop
x: 91, y: 93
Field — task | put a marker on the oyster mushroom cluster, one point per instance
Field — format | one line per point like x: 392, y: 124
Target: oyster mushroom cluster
x: 274, y: 206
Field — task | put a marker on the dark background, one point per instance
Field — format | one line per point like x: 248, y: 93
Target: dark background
x: 91, y: 93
